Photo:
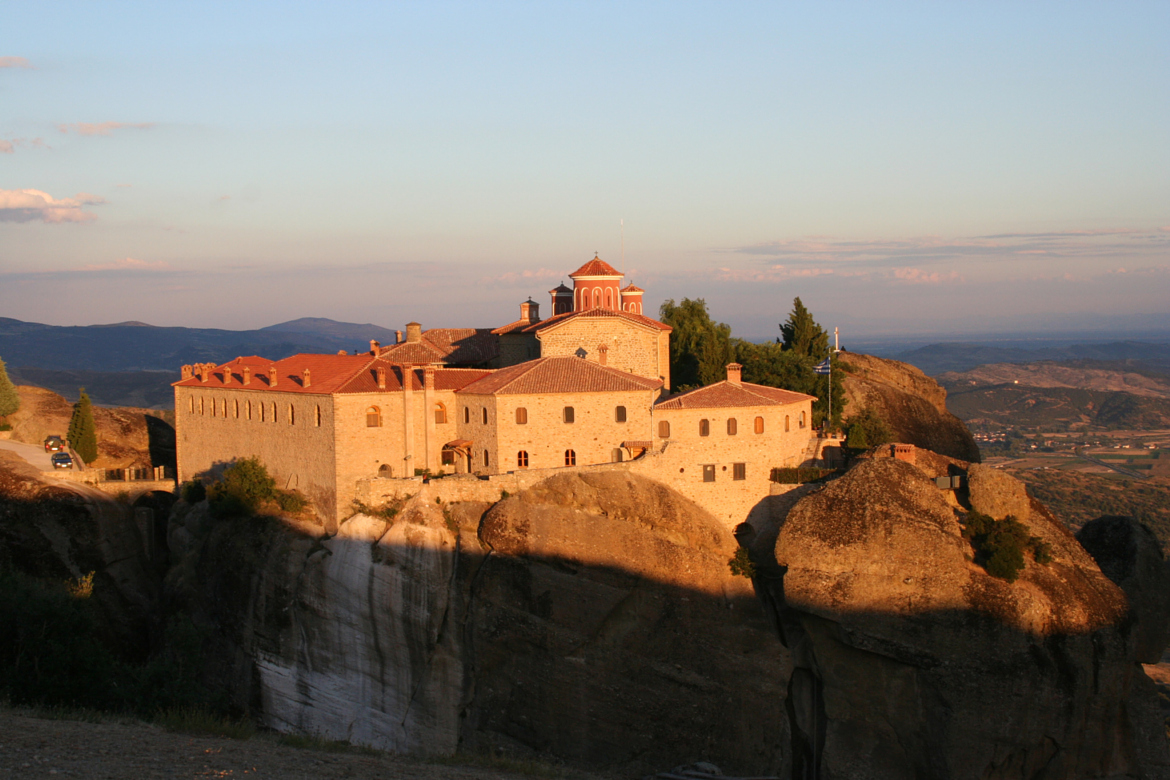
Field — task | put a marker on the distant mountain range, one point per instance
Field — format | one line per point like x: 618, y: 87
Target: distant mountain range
x: 936, y: 359
x: 135, y: 346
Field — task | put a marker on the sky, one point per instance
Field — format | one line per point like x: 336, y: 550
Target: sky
x: 911, y: 169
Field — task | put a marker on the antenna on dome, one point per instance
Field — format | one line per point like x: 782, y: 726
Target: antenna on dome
x: 622, y: 222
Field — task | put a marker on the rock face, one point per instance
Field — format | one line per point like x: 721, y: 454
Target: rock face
x: 911, y: 661
x: 911, y: 403
x: 54, y: 533
x: 1130, y: 555
x: 592, y: 617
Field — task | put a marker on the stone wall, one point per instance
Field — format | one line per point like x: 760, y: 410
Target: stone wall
x: 593, y: 435
x: 215, y: 426
x: 632, y: 348
x: 517, y: 348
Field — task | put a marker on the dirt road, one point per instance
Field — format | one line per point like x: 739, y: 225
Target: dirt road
x: 31, y: 747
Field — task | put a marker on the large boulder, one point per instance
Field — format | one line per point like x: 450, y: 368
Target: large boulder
x: 996, y: 493
x: 912, y: 404
x: 912, y: 661
x: 1130, y: 555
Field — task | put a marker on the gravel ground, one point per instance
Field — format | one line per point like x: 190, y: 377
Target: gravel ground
x: 34, y: 747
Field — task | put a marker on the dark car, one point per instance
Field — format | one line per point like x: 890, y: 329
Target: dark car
x: 62, y: 460
x: 54, y: 444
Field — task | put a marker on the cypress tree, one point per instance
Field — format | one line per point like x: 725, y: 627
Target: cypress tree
x: 82, y: 430
x: 803, y: 335
x: 9, y: 398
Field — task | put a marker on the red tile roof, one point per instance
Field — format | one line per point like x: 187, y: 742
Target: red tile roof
x: 450, y: 346
x: 559, y: 375
x: 512, y: 327
x: 725, y: 394
x: 595, y: 267
x: 637, y: 319
x: 632, y: 288
x: 561, y: 288
x: 329, y: 374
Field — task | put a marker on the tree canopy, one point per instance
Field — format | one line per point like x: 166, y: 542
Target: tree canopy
x: 700, y: 348
x: 803, y: 335
x: 82, y: 430
x: 9, y: 398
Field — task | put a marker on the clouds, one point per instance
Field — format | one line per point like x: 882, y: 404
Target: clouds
x: 9, y: 146
x: 37, y: 206
x: 14, y: 62
x: 129, y: 264
x: 102, y: 128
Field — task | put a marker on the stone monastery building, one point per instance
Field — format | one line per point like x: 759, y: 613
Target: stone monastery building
x: 588, y: 385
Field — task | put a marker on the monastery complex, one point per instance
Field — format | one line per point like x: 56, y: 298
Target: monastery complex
x: 588, y: 385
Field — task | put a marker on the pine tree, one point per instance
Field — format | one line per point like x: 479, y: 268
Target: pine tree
x: 803, y: 335
x: 82, y: 430
x: 9, y: 398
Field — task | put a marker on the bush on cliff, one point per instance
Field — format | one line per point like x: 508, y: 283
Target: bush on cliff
x: 246, y: 487
x: 867, y: 429
x: 1000, y: 545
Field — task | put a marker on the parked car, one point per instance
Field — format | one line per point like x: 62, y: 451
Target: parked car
x: 62, y: 460
x: 54, y: 444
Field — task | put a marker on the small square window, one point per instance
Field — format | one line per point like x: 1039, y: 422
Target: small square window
x: 709, y: 473
x: 739, y: 471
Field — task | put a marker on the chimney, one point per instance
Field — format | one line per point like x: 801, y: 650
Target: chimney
x: 413, y: 333
x: 247, y: 375
x: 374, y: 347
x: 904, y: 452
x: 186, y: 372
x: 203, y: 372
x: 397, y: 337
x: 734, y: 373
x: 305, y: 380
x: 530, y: 311
x: 429, y: 377
x: 272, y: 376
x: 381, y: 372
x: 227, y: 375
x: 603, y: 354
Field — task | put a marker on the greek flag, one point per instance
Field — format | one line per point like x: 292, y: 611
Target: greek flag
x: 823, y: 368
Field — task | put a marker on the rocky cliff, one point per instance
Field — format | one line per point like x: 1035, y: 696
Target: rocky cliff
x: 911, y: 403
x: 912, y: 661
x: 592, y: 617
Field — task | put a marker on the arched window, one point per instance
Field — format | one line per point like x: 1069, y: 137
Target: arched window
x: 318, y: 416
x: 484, y: 415
x: 237, y: 409
x: 292, y: 415
x: 373, y: 417
x: 609, y: 299
x: 597, y: 297
x: 759, y: 425
x: 521, y: 415
x: 191, y: 403
x: 522, y: 459
x: 248, y: 409
x: 440, y: 413
x: 569, y: 414
x: 486, y: 459
x: 787, y: 424
x: 570, y: 458
x: 261, y: 405
x: 732, y: 426
x: 274, y: 411
x: 200, y: 404
x: 619, y: 414
x: 664, y: 429
x: 616, y: 455
x: 704, y: 427
x: 802, y: 419
x: 467, y: 414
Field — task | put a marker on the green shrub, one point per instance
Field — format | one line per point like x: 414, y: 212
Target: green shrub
x: 82, y: 429
x: 741, y: 564
x: 5, y: 427
x: 1000, y: 545
x: 798, y: 476
x: 867, y: 429
x: 193, y: 492
x: 9, y: 398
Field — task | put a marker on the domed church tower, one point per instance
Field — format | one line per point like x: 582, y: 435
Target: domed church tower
x: 596, y: 285
x: 632, y: 299
x: 562, y: 299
